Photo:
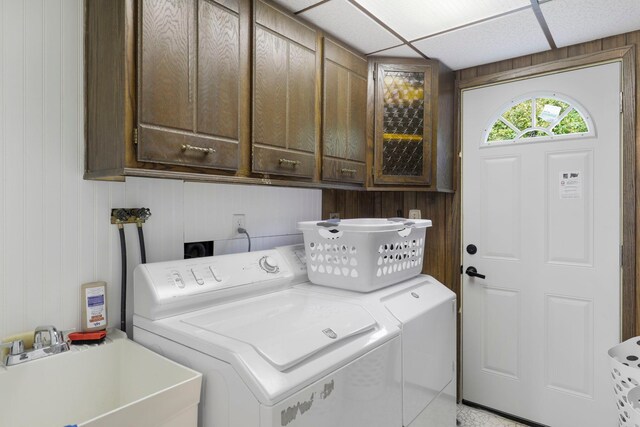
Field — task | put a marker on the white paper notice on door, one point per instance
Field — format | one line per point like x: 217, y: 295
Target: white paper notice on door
x: 571, y: 185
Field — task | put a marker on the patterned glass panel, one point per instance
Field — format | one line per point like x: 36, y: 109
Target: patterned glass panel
x: 402, y: 146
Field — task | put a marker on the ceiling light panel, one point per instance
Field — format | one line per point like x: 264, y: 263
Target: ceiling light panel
x: 296, y: 5
x: 413, y: 19
x: 403, y: 51
x: 500, y: 38
x: 577, y: 21
x: 349, y: 24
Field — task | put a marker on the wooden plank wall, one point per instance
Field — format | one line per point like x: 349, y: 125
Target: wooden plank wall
x: 442, y: 258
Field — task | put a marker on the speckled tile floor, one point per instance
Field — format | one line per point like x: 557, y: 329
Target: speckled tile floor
x: 472, y: 417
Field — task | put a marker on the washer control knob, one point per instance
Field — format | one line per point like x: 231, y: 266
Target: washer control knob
x: 197, y: 276
x: 269, y: 264
x: 177, y: 279
x: 216, y: 274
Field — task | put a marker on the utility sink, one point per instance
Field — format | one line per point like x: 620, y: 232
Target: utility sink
x: 118, y: 383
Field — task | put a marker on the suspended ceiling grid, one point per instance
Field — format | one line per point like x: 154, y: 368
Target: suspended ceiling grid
x: 466, y: 33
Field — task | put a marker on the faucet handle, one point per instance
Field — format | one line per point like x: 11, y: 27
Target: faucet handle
x: 54, y: 336
x: 15, y: 347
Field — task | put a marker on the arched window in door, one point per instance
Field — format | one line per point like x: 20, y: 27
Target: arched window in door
x: 536, y: 118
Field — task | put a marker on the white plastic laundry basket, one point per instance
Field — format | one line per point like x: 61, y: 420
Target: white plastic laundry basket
x: 625, y: 373
x: 363, y: 254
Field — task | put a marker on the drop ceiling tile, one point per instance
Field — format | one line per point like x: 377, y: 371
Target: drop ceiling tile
x: 347, y: 23
x: 413, y: 19
x: 296, y: 5
x: 403, y: 51
x: 577, y: 21
x: 500, y: 38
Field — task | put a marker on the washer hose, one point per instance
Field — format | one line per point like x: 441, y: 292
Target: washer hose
x: 143, y: 249
x: 123, y: 280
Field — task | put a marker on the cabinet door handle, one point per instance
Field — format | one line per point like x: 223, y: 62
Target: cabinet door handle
x: 348, y: 171
x: 288, y: 162
x: 203, y: 150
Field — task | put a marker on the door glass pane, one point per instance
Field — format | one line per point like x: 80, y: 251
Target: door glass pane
x: 520, y: 115
x: 553, y: 117
x: 501, y: 132
x: 545, y: 112
x: 403, y: 143
x: 572, y: 123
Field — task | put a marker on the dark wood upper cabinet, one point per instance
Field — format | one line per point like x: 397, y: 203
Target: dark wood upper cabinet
x: 412, y: 121
x: 344, y: 115
x: 188, y: 82
x: 284, y: 94
x: 404, y: 96
x: 241, y: 91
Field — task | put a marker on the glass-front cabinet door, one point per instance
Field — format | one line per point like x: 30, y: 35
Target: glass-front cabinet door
x: 404, y: 125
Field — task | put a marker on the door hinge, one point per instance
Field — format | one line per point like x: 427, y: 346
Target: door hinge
x: 135, y: 136
x: 621, y: 101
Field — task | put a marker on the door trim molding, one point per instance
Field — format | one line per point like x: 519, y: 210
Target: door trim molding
x: 630, y: 324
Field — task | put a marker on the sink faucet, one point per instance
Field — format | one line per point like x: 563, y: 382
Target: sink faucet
x: 41, y: 347
x: 55, y: 337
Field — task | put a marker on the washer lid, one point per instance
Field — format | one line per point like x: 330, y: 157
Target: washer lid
x: 286, y: 327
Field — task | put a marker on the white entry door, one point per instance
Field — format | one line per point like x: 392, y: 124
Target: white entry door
x: 544, y: 216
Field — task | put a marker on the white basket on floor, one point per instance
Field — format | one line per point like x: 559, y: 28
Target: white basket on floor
x: 625, y: 374
x: 363, y: 254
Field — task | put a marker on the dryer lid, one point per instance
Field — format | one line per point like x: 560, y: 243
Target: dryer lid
x: 287, y: 327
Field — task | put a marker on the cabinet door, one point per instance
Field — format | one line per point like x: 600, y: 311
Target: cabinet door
x: 403, y: 124
x: 218, y: 70
x: 166, y: 63
x: 189, y: 56
x: 344, y: 115
x: 284, y: 94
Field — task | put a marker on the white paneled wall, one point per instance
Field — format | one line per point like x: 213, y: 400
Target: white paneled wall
x: 54, y: 227
x: 269, y: 212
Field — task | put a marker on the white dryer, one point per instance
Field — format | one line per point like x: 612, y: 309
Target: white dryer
x: 278, y: 352
x: 425, y: 311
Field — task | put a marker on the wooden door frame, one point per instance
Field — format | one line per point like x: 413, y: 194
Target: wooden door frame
x: 630, y: 298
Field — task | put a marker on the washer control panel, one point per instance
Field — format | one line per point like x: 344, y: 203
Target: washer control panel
x: 297, y: 260
x: 197, y: 275
x: 167, y: 288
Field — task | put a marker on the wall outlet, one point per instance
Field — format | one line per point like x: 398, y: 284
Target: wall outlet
x: 415, y: 214
x: 238, y: 221
x: 334, y: 215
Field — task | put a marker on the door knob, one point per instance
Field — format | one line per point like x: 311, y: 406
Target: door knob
x: 471, y: 271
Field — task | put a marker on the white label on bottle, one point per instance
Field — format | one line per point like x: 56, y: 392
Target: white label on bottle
x: 96, y: 313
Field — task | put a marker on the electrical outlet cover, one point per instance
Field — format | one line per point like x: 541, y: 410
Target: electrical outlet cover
x: 415, y: 214
x: 238, y: 221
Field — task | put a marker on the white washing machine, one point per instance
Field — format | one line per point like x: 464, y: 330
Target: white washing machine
x: 277, y: 352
